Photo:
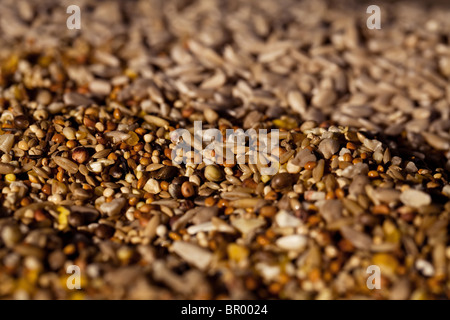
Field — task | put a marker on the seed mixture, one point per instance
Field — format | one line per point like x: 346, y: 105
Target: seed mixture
x: 88, y: 179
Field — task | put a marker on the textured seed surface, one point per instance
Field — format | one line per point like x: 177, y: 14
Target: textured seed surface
x: 68, y: 165
x: 91, y: 173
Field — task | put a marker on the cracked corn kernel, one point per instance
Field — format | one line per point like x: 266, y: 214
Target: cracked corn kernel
x: 11, y: 177
x: 386, y: 262
x: 285, y: 123
x: 237, y: 252
x: 77, y: 295
x: 62, y: 217
x: 133, y: 139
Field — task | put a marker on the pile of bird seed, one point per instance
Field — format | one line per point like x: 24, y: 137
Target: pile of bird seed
x: 87, y: 176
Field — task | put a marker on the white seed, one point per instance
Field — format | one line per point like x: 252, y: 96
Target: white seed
x: 193, y: 254
x: 415, y: 198
x: 293, y: 242
x: 152, y: 186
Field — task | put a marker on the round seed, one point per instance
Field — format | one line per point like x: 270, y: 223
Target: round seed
x: 187, y: 189
x: 80, y: 154
x: 104, y: 231
x: 213, y: 173
x: 373, y: 174
x: 76, y: 219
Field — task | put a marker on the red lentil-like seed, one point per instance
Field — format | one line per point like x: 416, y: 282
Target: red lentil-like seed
x: 310, y: 165
x: 380, y: 209
x: 351, y: 146
x: 210, y: 201
x: 373, y: 174
x: 174, y: 236
x: 47, y: 189
x: 340, y: 193
x: 164, y: 185
x: 347, y: 157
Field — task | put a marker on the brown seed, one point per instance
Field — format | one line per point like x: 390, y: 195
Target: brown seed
x: 187, y: 189
x: 104, y: 231
x: 58, y: 138
x: 168, y: 153
x: 146, y: 208
x: 249, y: 183
x: 133, y: 201
x: 6, y: 168
x: 145, y: 161
x: 380, y: 209
x: 165, y: 173
x: 39, y: 215
x: 76, y: 219
x: 268, y: 211
x: 111, y: 126
x: 175, y: 191
x: 116, y: 172
x: 21, y: 122
x: 88, y: 122
x: 281, y: 181
x: 117, y: 114
x: 47, y: 189
x: 80, y: 154
x: 25, y: 201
